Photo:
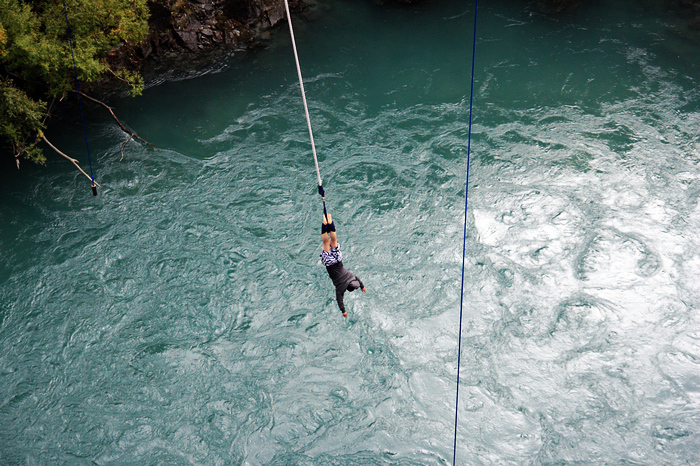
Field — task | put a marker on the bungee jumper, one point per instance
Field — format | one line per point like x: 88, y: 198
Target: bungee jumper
x: 332, y: 258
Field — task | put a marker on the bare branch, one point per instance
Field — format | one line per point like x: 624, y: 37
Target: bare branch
x: 48, y: 111
x: 124, y: 128
x: 117, y: 76
x: 72, y: 160
x: 124, y: 144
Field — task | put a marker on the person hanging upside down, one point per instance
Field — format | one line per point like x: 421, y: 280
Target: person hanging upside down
x: 332, y: 258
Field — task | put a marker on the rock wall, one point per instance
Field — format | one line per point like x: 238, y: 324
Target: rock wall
x: 196, y: 25
x: 189, y: 37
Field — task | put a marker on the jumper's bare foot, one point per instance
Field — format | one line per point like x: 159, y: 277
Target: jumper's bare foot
x: 327, y: 219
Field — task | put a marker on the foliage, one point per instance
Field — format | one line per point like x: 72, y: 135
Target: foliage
x: 36, y: 61
x: 3, y: 40
x: 21, y: 121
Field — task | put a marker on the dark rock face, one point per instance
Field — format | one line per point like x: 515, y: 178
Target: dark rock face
x: 188, y: 37
x: 196, y: 25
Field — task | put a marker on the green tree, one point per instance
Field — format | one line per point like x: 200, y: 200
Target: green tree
x: 21, y: 121
x: 36, y: 62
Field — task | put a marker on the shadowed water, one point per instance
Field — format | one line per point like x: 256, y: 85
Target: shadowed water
x: 183, y: 316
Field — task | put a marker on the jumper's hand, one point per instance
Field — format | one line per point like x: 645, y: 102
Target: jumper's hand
x: 345, y: 314
x: 327, y: 219
x: 364, y: 290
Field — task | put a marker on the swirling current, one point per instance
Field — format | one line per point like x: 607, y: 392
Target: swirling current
x: 183, y: 316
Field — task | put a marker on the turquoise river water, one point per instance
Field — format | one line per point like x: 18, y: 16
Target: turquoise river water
x: 183, y: 316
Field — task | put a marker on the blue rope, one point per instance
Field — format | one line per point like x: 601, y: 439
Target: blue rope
x: 464, y: 240
x: 80, y: 100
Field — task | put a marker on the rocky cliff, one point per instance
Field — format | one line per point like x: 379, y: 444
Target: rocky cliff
x: 190, y: 37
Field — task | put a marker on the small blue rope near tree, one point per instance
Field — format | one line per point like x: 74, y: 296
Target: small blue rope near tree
x: 80, y: 101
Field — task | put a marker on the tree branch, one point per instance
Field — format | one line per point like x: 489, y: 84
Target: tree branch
x: 117, y: 76
x: 48, y: 112
x: 124, y: 144
x: 124, y: 128
x: 72, y: 160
